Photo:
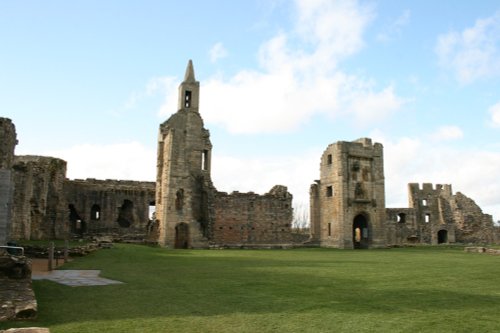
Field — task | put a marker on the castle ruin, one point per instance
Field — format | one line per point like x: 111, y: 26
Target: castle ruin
x: 347, y: 203
x: 347, y: 206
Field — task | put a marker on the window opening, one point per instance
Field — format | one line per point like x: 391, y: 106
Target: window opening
x: 179, y: 199
x: 152, y: 211
x: 126, y: 214
x: 427, y: 218
x: 204, y: 160
x: 402, y: 218
x: 424, y: 202
x: 329, y: 191
x: 329, y: 159
x: 187, y: 99
x: 95, y: 212
x: 329, y: 229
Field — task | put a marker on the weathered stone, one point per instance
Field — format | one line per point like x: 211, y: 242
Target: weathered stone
x: 26, y: 330
x: 17, y: 299
x: 191, y: 213
x: 348, y: 202
x: 8, y: 142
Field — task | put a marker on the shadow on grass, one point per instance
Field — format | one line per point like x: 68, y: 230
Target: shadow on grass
x: 160, y: 283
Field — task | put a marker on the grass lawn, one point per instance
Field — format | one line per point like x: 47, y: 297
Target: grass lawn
x: 424, y: 289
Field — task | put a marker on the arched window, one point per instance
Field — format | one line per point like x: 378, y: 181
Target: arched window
x: 95, y: 212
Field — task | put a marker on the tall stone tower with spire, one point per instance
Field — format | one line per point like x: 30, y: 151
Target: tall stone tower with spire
x: 183, y: 185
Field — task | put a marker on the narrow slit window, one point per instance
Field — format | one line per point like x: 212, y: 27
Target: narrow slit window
x: 204, y: 160
x: 187, y: 99
x: 427, y: 218
x: 329, y: 229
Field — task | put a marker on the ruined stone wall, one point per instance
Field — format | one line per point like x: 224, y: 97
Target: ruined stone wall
x: 473, y: 226
x: 401, y: 226
x: 433, y: 206
x: 8, y: 141
x: 108, y: 206
x: 246, y: 219
x: 39, y: 203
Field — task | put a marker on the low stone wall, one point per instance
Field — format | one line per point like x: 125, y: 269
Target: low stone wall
x: 17, y: 299
x: 480, y: 249
x: 26, y: 330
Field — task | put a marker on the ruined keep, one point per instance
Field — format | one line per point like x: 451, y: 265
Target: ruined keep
x: 347, y: 206
x: 190, y: 212
x: 348, y: 201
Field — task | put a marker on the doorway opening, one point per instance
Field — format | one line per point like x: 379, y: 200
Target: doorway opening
x: 182, y: 236
x: 442, y: 236
x: 360, y: 232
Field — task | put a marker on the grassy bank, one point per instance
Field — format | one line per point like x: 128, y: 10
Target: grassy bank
x: 425, y: 289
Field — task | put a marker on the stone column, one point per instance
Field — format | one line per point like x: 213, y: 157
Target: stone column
x: 8, y: 142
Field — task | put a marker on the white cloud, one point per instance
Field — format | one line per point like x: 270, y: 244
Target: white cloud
x: 447, y: 133
x: 472, y: 53
x: 262, y: 173
x: 218, y: 51
x: 129, y: 161
x: 298, y: 76
x: 495, y: 114
x: 395, y: 29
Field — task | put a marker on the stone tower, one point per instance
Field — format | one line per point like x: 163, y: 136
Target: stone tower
x: 8, y: 143
x: 348, y: 202
x: 434, y: 211
x: 183, y: 184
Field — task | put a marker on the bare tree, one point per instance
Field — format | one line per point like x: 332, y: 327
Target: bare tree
x: 300, y: 223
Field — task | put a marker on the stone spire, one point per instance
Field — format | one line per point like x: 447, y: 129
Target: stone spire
x: 189, y: 90
x: 189, y: 76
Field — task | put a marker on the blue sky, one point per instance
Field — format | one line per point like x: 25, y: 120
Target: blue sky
x: 90, y: 82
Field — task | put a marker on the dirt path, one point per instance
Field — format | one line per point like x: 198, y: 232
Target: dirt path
x: 40, y: 265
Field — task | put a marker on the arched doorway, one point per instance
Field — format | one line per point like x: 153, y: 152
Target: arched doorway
x: 360, y: 232
x: 182, y: 236
x: 442, y: 236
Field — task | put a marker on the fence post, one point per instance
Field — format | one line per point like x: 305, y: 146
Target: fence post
x: 51, y: 256
x: 66, y: 250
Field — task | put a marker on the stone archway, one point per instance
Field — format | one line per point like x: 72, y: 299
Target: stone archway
x: 442, y: 236
x: 182, y: 236
x: 360, y: 232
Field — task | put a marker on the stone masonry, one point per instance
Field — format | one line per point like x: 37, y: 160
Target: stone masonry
x: 347, y: 206
x: 8, y: 143
x: 39, y: 209
x: 246, y: 219
x: 348, y: 201
x: 108, y: 206
x: 191, y: 213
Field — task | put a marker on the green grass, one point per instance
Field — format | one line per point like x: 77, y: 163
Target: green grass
x: 427, y: 289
